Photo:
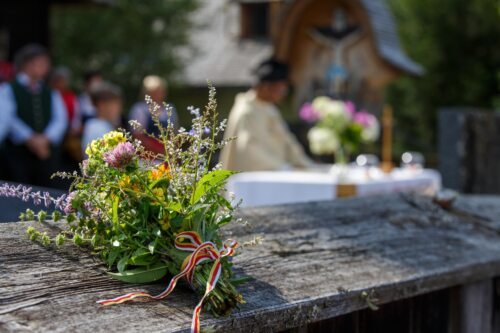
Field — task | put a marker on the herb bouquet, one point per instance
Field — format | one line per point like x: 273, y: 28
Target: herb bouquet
x: 149, y: 216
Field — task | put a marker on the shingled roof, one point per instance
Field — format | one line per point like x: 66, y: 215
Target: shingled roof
x: 385, y: 32
x: 227, y: 60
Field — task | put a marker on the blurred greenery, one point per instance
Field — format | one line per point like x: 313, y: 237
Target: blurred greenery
x: 457, y: 42
x: 125, y: 41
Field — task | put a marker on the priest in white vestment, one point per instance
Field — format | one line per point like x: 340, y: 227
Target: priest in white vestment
x: 263, y: 140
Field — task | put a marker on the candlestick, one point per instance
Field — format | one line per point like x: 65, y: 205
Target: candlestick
x: 387, y: 164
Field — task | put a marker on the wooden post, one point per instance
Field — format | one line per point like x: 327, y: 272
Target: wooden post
x: 472, y: 308
x: 387, y: 164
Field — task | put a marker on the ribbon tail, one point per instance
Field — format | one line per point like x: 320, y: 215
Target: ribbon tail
x: 212, y: 282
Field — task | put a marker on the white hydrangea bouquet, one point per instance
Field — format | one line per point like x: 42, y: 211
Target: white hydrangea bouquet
x: 338, y: 128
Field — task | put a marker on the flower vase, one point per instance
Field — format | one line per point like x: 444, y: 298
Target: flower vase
x: 340, y: 168
x: 341, y: 156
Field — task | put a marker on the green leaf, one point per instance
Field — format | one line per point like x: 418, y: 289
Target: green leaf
x: 223, y: 220
x: 141, y: 274
x: 175, y: 206
x: 141, y: 257
x: 115, y: 209
x: 122, y: 263
x: 176, y: 221
x: 241, y: 280
x: 112, y: 257
x: 210, y: 181
x: 158, y: 182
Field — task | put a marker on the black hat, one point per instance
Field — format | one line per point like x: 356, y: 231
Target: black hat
x: 272, y: 70
x: 28, y: 53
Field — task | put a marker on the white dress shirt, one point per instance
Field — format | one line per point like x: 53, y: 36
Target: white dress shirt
x: 19, y: 131
x: 6, y: 113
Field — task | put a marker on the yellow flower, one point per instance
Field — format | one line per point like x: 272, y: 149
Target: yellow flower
x: 160, y: 172
x: 159, y: 193
x: 124, y: 182
x: 93, y: 147
x: 165, y: 223
x: 111, y: 139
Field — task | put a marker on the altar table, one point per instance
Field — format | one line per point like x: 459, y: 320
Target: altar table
x: 286, y: 187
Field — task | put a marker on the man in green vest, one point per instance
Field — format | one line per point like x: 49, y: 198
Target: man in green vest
x: 39, y: 120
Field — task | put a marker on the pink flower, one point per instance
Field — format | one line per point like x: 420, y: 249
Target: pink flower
x: 308, y: 114
x: 365, y: 119
x: 350, y: 108
x: 121, y: 155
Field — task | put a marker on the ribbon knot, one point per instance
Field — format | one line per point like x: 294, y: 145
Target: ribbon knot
x: 201, y: 252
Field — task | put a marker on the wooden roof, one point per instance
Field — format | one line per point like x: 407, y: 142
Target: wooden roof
x: 227, y: 60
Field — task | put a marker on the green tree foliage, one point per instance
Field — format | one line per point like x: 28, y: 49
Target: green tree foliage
x: 125, y: 40
x: 457, y: 41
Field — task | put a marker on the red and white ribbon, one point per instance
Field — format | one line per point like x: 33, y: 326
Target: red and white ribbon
x: 201, y: 252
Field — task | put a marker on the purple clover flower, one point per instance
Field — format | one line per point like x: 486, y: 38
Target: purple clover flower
x: 121, y: 155
x: 308, y: 114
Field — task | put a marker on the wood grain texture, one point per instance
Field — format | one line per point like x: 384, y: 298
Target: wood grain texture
x: 316, y: 261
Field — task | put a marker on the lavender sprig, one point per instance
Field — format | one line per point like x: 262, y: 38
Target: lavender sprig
x: 26, y: 194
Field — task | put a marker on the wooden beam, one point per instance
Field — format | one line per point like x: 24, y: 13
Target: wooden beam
x: 319, y: 260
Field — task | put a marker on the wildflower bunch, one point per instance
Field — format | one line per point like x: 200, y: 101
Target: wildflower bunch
x: 132, y: 208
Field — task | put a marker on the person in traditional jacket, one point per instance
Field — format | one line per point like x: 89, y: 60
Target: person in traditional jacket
x: 39, y: 122
x: 263, y: 140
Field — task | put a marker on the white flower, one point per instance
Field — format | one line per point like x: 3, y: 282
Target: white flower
x: 335, y: 111
x: 322, y: 141
x: 371, y: 133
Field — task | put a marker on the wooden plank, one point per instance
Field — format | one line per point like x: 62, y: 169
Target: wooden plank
x: 316, y: 261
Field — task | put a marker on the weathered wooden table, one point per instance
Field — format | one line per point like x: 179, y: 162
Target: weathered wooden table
x: 320, y: 267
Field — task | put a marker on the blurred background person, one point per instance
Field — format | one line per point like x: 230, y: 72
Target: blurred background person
x: 155, y: 87
x: 87, y: 108
x: 39, y: 122
x: 60, y: 79
x: 6, y: 71
x: 263, y: 141
x: 107, y: 99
